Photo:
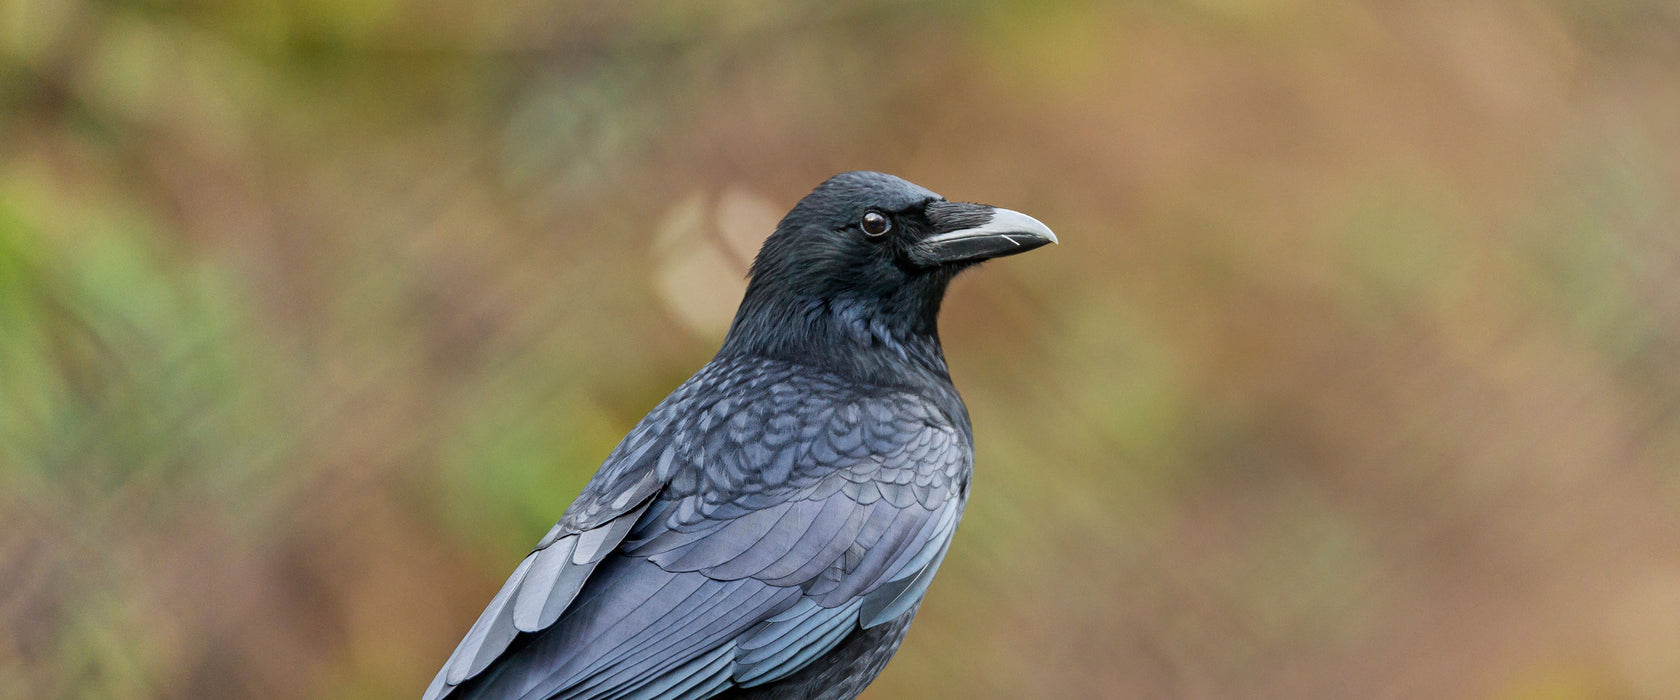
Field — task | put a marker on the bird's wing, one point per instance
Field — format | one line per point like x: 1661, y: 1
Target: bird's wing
x: 856, y: 559
x: 789, y: 519
x: 547, y: 580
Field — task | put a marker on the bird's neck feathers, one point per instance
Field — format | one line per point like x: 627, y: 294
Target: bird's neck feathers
x: 887, y: 340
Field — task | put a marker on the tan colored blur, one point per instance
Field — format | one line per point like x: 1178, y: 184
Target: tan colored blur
x: 1356, y: 375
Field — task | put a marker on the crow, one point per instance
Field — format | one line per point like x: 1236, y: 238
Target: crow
x: 770, y: 528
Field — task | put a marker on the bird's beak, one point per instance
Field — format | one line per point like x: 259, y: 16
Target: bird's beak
x: 970, y: 233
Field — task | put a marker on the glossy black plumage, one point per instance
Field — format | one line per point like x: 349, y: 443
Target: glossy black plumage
x: 770, y: 528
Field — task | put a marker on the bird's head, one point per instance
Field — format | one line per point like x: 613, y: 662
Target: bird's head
x: 867, y: 257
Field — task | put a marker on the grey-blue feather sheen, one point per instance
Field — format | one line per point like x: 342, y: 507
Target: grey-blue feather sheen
x: 742, y: 529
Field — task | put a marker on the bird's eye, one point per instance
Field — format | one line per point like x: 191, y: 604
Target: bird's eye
x: 875, y: 223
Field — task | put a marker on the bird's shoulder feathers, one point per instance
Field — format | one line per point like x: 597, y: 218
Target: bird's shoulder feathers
x: 756, y: 473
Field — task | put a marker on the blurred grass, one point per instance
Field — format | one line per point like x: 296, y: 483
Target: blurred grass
x: 1356, y: 375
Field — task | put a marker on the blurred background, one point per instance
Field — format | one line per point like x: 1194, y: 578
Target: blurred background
x: 1357, y: 374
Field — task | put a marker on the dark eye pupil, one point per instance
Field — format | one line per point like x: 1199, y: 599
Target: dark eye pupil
x: 874, y: 223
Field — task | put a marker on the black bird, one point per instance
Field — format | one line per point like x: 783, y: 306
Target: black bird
x: 769, y: 529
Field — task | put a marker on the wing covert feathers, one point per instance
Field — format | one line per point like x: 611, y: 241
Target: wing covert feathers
x: 756, y: 518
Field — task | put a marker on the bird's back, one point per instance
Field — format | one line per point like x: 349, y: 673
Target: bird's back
x: 778, y: 525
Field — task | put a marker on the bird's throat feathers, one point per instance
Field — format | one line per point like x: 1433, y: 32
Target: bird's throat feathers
x: 887, y: 340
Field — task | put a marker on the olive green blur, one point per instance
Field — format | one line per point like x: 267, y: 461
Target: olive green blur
x: 1356, y: 374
